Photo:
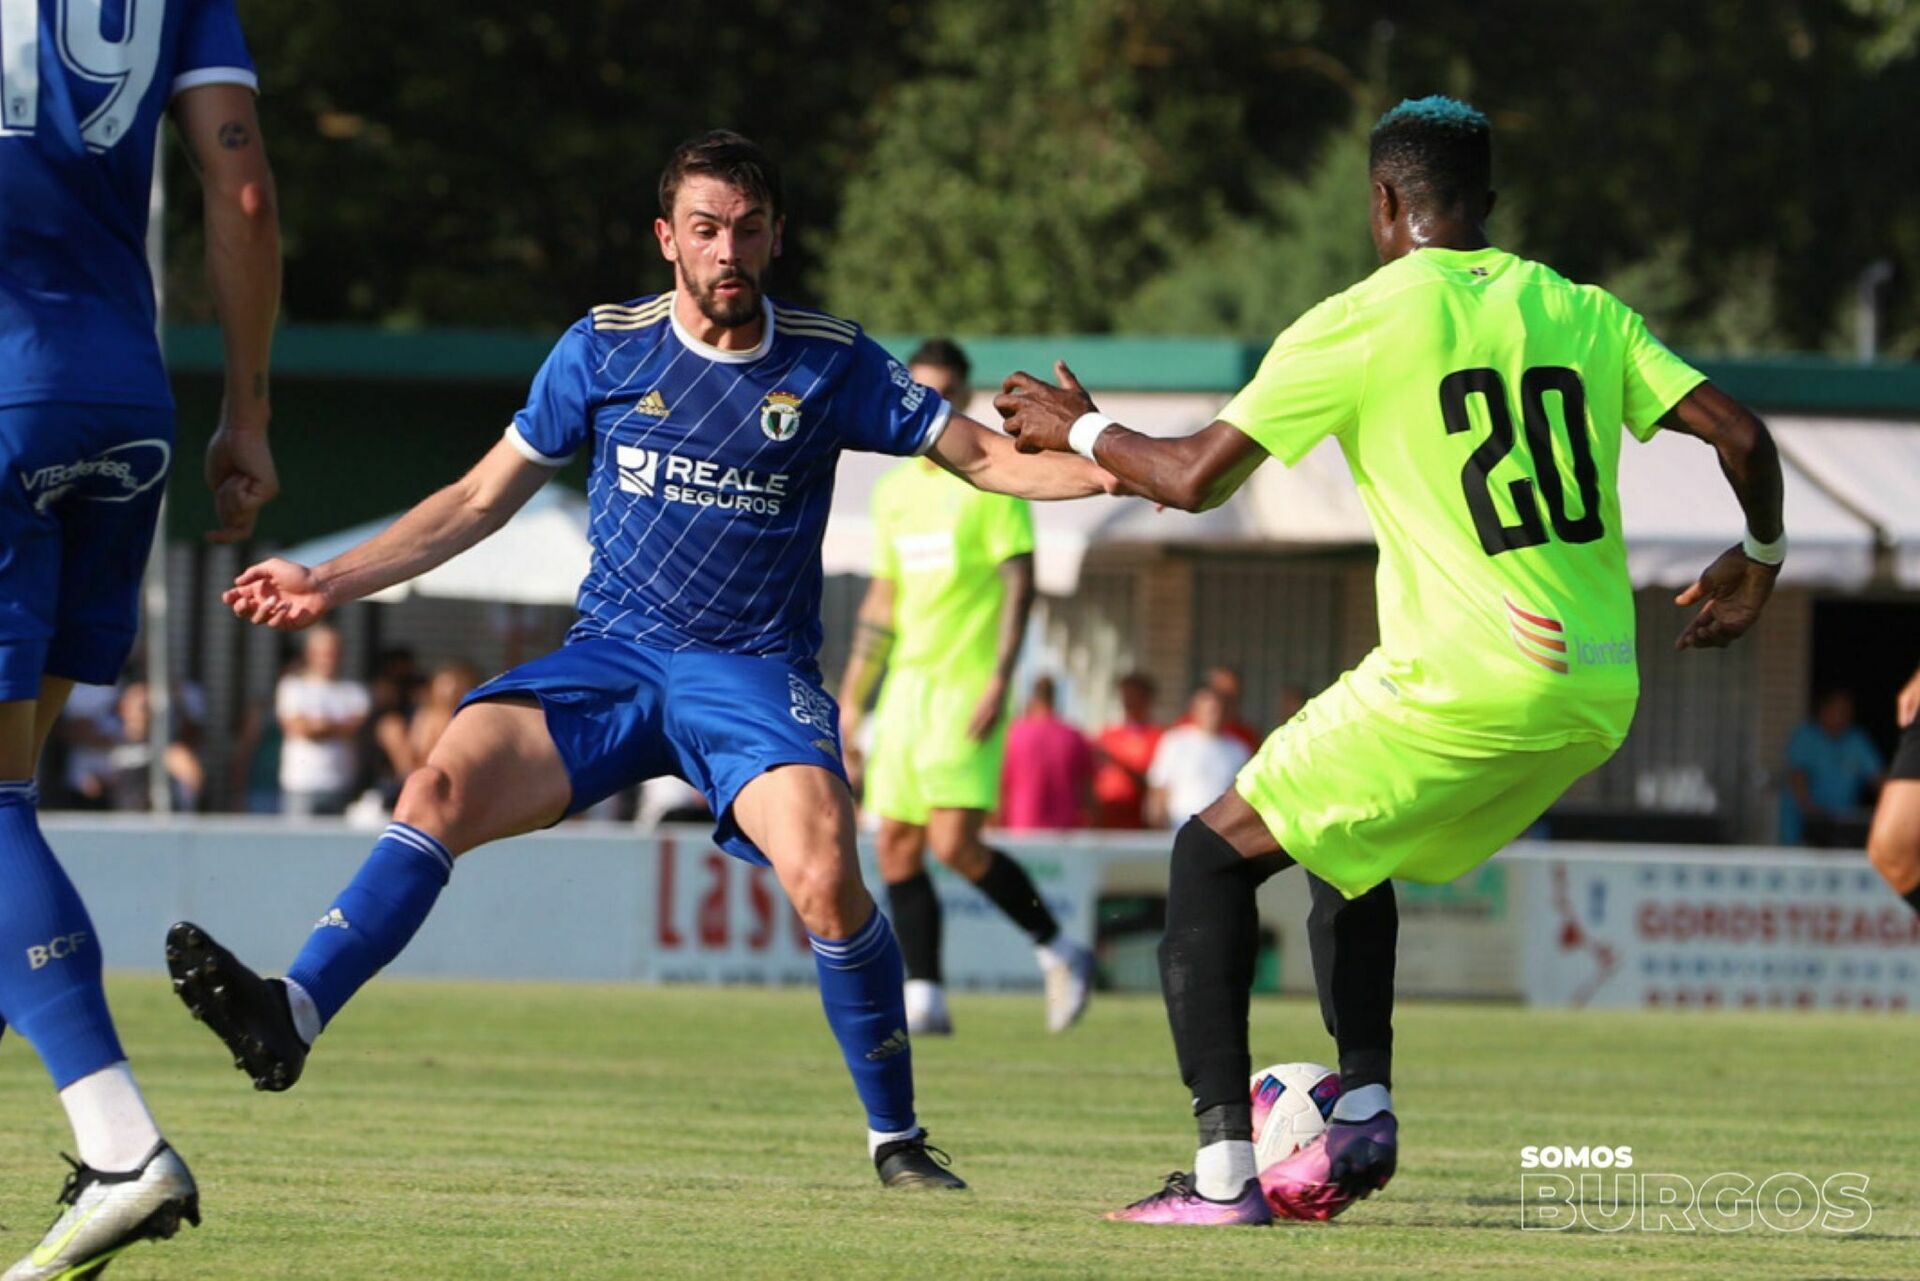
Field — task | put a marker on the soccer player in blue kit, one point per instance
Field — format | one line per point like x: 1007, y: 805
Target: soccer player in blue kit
x: 86, y: 436
x: 714, y: 417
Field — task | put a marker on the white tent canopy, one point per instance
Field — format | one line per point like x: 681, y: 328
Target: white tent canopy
x: 1680, y: 514
x: 1871, y: 467
x: 538, y: 559
x: 1678, y: 510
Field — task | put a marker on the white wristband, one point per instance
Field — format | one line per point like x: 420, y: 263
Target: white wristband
x: 1765, y: 553
x: 1085, y: 430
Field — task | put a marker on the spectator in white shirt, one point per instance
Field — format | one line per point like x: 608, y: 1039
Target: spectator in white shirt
x: 319, y: 715
x: 90, y: 729
x: 1195, y: 762
x: 133, y: 757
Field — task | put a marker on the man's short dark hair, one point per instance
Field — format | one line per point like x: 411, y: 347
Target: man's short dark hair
x: 728, y: 156
x: 1436, y: 152
x: 942, y: 353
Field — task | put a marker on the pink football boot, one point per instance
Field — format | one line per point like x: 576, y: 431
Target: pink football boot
x: 1181, y: 1204
x: 1353, y: 1159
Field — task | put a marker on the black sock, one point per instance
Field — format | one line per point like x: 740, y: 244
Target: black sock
x: 1913, y: 898
x: 1011, y: 890
x: 1224, y: 1121
x: 1353, y: 943
x: 1206, y: 968
x: 915, y: 909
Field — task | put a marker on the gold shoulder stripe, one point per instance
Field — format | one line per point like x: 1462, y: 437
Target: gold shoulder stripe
x: 607, y: 326
x: 632, y: 322
x: 829, y: 335
x: 653, y: 300
x: 815, y: 318
x: 612, y: 310
x: 801, y: 322
x: 809, y: 322
x: 641, y: 318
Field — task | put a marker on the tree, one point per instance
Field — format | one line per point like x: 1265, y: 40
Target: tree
x: 1002, y: 165
x: 498, y: 167
x: 1052, y: 157
x: 1254, y: 274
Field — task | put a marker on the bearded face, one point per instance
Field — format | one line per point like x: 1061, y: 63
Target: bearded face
x: 721, y: 242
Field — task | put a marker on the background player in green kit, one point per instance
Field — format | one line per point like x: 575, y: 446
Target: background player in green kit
x: 944, y: 616
x: 1478, y: 398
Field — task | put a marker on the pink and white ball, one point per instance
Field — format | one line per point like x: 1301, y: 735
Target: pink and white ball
x: 1291, y: 1103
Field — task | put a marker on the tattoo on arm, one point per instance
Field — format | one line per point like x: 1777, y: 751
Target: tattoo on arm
x: 260, y: 386
x: 872, y: 640
x: 234, y: 135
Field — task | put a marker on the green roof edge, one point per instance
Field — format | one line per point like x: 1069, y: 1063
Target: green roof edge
x: 1800, y: 382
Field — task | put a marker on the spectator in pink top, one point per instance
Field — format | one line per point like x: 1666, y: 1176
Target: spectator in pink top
x: 1047, y: 780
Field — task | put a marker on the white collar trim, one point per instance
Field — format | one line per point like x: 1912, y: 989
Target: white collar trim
x: 717, y: 354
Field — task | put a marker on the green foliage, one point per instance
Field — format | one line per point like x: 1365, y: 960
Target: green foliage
x: 1053, y: 156
x: 996, y: 166
x: 1255, y: 274
x: 947, y: 226
x: 1737, y: 315
x: 500, y: 167
x: 1896, y: 32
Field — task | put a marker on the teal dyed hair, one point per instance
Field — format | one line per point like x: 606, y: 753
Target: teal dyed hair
x: 1439, y: 111
x: 1437, y: 152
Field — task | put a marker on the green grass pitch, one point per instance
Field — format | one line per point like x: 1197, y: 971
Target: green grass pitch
x: 479, y: 1131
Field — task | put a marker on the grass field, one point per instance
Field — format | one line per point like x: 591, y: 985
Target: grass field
x: 469, y: 1131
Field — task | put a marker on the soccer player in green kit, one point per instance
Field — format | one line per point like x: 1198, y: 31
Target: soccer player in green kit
x: 944, y: 615
x: 1478, y: 398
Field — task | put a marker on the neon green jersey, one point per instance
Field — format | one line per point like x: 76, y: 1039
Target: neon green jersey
x: 942, y: 542
x: 1479, y: 400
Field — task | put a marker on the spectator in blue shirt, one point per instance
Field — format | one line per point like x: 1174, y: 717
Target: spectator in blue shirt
x: 1831, y: 766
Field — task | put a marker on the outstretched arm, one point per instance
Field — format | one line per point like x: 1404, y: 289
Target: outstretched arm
x: 1736, y: 586
x: 287, y: 596
x: 987, y: 460
x: 1193, y: 473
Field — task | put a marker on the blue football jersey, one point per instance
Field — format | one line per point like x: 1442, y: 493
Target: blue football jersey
x: 83, y: 84
x: 712, y: 471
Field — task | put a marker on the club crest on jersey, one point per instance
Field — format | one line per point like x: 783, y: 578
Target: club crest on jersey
x: 780, y: 416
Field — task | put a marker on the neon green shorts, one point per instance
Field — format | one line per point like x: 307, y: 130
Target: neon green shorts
x: 1356, y: 797
x: 922, y: 759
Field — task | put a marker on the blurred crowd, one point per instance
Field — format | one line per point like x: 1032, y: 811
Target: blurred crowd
x: 323, y: 743
x: 101, y: 753
x: 1138, y: 772
x: 328, y: 744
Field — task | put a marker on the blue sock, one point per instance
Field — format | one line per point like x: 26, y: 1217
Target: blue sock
x: 861, y: 987
x: 374, y: 917
x: 49, y: 958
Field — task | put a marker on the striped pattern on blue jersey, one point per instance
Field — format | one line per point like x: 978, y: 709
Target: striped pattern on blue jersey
x: 711, y: 472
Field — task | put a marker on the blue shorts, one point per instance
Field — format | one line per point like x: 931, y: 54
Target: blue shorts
x: 622, y: 713
x: 80, y: 490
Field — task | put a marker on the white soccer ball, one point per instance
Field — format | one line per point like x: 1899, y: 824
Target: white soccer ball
x: 1291, y: 1103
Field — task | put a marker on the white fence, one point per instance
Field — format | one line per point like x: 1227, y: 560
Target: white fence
x: 1555, y: 924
